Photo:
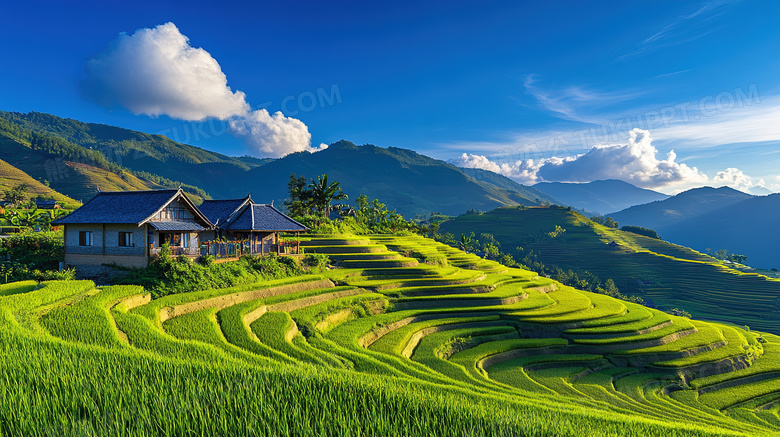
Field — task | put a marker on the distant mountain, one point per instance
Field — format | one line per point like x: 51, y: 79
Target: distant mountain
x: 407, y: 181
x: 602, y: 197
x: 501, y: 181
x: 78, y: 159
x: 685, y: 206
x: 98, y: 148
x: 715, y: 218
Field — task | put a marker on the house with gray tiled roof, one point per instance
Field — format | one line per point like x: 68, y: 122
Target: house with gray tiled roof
x: 128, y: 228
x: 257, y: 225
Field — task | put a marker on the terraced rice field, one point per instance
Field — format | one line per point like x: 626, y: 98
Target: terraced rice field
x: 669, y: 275
x: 382, y: 344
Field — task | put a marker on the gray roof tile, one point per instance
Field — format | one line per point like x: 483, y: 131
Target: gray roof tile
x: 119, y: 207
x: 177, y: 226
x: 218, y: 211
x: 265, y: 218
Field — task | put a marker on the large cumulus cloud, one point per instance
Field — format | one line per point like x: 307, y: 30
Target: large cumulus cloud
x: 157, y: 72
x: 635, y: 162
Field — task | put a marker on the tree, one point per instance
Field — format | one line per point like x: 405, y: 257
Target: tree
x: 299, y: 203
x: 323, y: 194
x: 466, y: 242
x: 739, y: 259
x: 16, y: 195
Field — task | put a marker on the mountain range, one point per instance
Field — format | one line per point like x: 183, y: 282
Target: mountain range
x: 599, y: 197
x: 715, y: 218
x: 78, y: 159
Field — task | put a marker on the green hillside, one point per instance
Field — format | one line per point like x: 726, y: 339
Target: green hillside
x: 380, y: 346
x: 670, y: 276
x: 75, y: 171
x: 407, y: 181
x: 11, y: 177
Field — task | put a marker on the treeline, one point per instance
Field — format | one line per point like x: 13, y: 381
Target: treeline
x: 165, y: 182
x: 641, y: 231
x: 316, y: 203
x: 57, y: 146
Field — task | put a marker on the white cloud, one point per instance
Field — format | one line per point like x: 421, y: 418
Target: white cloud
x: 735, y: 178
x: 157, y: 72
x: 523, y: 171
x: 754, y: 121
x: 272, y: 135
x: 635, y: 162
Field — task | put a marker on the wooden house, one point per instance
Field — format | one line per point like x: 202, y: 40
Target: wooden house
x: 256, y: 225
x: 129, y: 227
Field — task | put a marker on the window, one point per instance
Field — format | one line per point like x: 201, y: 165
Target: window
x: 126, y: 239
x: 85, y: 238
x: 176, y: 240
x: 185, y: 240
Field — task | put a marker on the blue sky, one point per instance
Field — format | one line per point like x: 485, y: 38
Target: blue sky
x: 501, y: 82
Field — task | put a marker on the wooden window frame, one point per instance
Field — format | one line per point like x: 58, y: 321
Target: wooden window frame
x: 85, y: 238
x: 126, y: 239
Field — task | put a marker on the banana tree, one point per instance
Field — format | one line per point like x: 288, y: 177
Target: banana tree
x: 323, y: 194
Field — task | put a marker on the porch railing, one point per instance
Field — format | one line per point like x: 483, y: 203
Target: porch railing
x: 233, y: 249
x: 177, y: 251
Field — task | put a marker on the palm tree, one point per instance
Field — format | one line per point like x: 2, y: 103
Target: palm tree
x: 465, y: 242
x: 322, y: 194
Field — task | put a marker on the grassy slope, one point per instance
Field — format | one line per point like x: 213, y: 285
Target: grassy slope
x: 11, y: 176
x: 76, y: 180
x: 239, y: 370
x: 669, y: 275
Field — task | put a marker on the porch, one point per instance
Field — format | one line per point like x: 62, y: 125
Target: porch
x: 232, y: 250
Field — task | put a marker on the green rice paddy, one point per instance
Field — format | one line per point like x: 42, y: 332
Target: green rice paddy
x: 445, y: 344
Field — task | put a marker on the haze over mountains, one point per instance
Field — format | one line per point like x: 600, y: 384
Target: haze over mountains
x: 78, y: 159
x: 600, y: 197
x: 715, y: 218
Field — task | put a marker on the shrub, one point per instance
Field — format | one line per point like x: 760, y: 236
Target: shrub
x: 641, y: 231
x: 317, y: 261
x: 166, y: 275
x: 679, y: 312
x: 206, y: 260
x: 11, y: 272
x: 38, y: 250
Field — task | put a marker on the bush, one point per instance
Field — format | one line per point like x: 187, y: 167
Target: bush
x: 206, y: 260
x: 641, y: 231
x: 316, y: 261
x: 166, y: 275
x: 37, y: 250
x: 679, y: 312
x: 12, y: 272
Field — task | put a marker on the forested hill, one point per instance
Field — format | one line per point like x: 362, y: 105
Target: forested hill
x: 407, y: 181
x: 78, y: 159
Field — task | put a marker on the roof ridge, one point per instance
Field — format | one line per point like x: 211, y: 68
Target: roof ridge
x: 170, y: 190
